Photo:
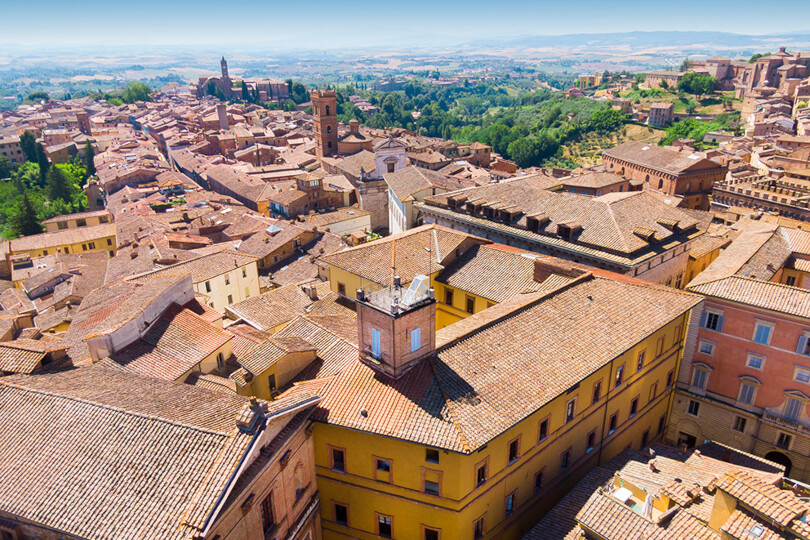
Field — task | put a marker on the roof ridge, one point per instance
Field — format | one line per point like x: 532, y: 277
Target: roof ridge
x: 455, y: 423
x: 765, y: 282
x: 11, y: 384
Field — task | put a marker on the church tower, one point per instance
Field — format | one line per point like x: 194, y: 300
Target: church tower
x: 324, y: 121
x: 223, y: 64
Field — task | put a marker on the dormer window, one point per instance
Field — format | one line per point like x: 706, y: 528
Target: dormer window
x: 568, y: 231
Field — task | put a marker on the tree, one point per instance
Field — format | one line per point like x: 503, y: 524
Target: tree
x: 664, y: 84
x: 697, y: 84
x: 523, y: 152
x: 38, y: 96
x: 58, y: 186
x: 28, y: 144
x: 686, y: 65
x: 5, y: 167
x: 89, y: 154
x: 42, y: 161
x: 25, y: 221
x: 136, y: 91
x: 757, y: 57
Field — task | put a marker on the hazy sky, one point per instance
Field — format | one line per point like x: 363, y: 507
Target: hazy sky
x: 322, y: 23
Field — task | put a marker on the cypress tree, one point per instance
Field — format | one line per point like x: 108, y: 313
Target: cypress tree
x: 44, y: 164
x: 58, y: 187
x: 25, y: 221
x: 89, y: 154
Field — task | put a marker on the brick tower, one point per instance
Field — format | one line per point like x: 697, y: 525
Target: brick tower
x: 324, y: 121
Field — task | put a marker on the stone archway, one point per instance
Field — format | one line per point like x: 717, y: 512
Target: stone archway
x: 781, y: 459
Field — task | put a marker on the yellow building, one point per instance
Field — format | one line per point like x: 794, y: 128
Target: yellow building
x: 474, y: 430
x: 272, y: 365
x: 75, y: 221
x: 702, y: 253
x: 220, y: 279
x: 79, y: 240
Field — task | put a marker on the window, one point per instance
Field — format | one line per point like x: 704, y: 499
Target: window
x: 375, y: 343
x: 268, y: 520
x: 565, y: 460
x: 329, y: 129
x: 510, y: 503
x: 790, y: 281
x: 430, y: 534
x: 109, y: 241
x: 543, y: 430
x: 619, y: 375
x: 431, y: 455
x: 755, y: 361
x: 784, y: 440
x: 699, y: 377
x: 514, y: 450
x: 694, y: 408
x: 382, y: 470
x: 481, y: 474
x: 84, y: 247
x: 538, y: 481
x: 62, y: 225
x: 711, y: 321
x: 341, y: 288
x: 220, y: 362
x: 645, y: 437
x: 591, y: 441
x: 670, y: 376
x: 706, y: 347
x: 338, y: 460
x: 341, y: 514
x: 633, y: 407
x: 802, y: 375
x: 81, y: 222
x: 390, y: 167
x: 244, y: 272
x: 640, y: 361
x: 570, y: 410
x: 470, y: 304
x: 614, y: 420
x: 762, y: 333
x: 661, y: 422
x: 659, y: 346
x: 747, y: 392
x: 597, y: 391
x: 739, y: 424
x: 793, y: 409
x: 271, y: 382
x: 448, y: 297
x: 207, y: 286
x: 230, y: 299
x: 227, y: 279
x: 416, y: 339
x: 384, y: 526
x: 804, y: 346
x: 478, y: 528
x: 431, y: 488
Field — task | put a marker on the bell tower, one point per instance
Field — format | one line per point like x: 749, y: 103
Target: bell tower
x: 397, y: 327
x: 223, y: 65
x: 324, y: 122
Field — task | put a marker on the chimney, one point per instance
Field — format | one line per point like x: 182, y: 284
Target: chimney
x: 222, y: 114
x: 354, y: 126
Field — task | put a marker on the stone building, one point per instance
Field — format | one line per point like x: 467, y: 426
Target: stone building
x: 324, y: 122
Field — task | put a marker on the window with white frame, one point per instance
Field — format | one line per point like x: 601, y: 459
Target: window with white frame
x: 801, y: 375
x: 762, y: 332
x: 699, y: 378
x: 755, y: 361
x: 803, y: 346
x: 747, y: 393
x: 706, y: 347
x: 712, y: 320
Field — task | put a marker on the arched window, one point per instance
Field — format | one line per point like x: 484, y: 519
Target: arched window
x: 328, y: 129
x: 647, y: 178
x: 661, y: 184
x: 327, y: 110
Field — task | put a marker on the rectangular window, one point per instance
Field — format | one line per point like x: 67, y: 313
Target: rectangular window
x: 706, y: 347
x: 81, y: 222
x: 431, y: 455
x: 659, y: 347
x: 448, y: 297
x: 510, y: 504
x: 793, y: 409
x: 384, y: 526
x: 755, y: 361
x: 430, y: 534
x: 341, y: 514
x: 747, y: 393
x: 207, y: 286
x: 762, y: 333
x: 661, y: 422
x: 416, y: 339
x: 565, y: 460
x: 803, y: 346
x: 338, y: 460
x: 614, y: 421
x: 227, y: 280
x: 784, y: 440
x: 84, y: 247
x: 619, y: 375
x: 645, y: 437
x: 230, y: 299
x: 268, y: 519
x: 514, y: 450
x: 220, y: 362
x: 92, y: 245
x: 739, y: 424
x: 470, y: 304
x: 640, y: 361
x: 481, y: 475
x: 790, y: 281
x: 341, y: 289
x: 570, y: 410
x: 712, y: 321
x: 478, y: 528
x: 699, y: 377
x: 633, y: 407
x: 543, y: 430
x: 670, y: 376
x: 538, y: 481
x: 271, y: 382
x: 431, y: 488
x: 802, y: 375
x: 62, y: 225
x: 694, y: 408
x: 591, y: 441
x: 597, y: 391
x: 376, y: 347
x: 653, y: 392
x: 109, y: 241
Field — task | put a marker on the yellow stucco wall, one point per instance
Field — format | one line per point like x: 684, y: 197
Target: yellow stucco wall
x: 239, y: 287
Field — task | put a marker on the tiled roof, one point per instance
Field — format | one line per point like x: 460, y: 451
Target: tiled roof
x: 410, y: 180
x: 64, y: 237
x: 407, y: 252
x: 659, y: 158
x: 299, y: 267
x: 593, y: 180
x: 494, y: 272
x: 272, y: 308
x: 169, y: 452
x: 755, y: 292
x: 778, y: 505
x: 19, y: 359
x: 260, y: 358
x: 204, y: 267
x: 175, y: 343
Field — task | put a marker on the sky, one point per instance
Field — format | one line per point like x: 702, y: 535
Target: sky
x: 330, y: 24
